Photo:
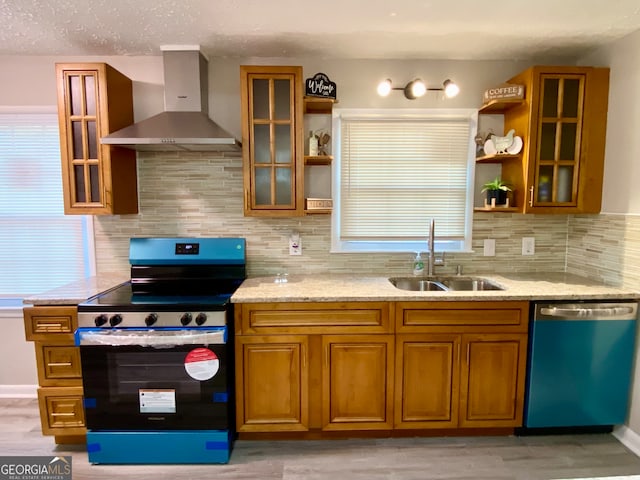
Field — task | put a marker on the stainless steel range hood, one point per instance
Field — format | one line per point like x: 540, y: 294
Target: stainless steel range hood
x: 185, y: 124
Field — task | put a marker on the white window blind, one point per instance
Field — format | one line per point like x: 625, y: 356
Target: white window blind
x: 40, y: 247
x: 397, y: 172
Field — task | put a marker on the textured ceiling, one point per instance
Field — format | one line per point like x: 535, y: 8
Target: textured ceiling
x: 400, y: 29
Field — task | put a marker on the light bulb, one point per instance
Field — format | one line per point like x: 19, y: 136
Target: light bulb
x: 450, y: 89
x: 384, y: 88
x: 418, y: 88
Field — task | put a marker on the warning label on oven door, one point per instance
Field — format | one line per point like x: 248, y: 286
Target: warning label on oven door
x: 157, y: 400
x: 201, y: 364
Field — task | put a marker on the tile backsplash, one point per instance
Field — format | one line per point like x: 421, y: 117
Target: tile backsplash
x: 605, y: 247
x: 200, y: 194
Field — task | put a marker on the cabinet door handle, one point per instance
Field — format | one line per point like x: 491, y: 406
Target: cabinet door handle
x: 531, y: 196
x: 60, y: 364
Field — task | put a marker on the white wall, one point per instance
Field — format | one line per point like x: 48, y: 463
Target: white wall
x: 18, y: 372
x: 622, y: 156
x: 31, y: 81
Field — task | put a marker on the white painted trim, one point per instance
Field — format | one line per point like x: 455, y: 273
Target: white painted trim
x: 628, y: 438
x: 18, y: 391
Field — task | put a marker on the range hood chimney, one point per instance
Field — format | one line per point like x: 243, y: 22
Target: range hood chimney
x: 185, y: 124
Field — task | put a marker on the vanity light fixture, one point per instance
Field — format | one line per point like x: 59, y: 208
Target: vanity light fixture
x: 417, y: 88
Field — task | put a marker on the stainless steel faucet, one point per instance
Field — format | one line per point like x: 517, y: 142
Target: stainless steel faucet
x: 432, y: 261
x: 431, y: 245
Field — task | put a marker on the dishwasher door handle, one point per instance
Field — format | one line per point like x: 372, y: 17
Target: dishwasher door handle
x: 598, y: 313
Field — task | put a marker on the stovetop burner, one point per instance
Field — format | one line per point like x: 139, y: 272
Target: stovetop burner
x: 174, y: 282
x: 124, y: 298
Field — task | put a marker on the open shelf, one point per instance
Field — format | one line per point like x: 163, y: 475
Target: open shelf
x: 318, y: 160
x: 318, y: 105
x: 496, y: 158
x: 325, y: 211
x: 499, y: 106
x: 497, y: 209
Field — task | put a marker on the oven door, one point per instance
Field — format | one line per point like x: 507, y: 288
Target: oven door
x: 160, y: 379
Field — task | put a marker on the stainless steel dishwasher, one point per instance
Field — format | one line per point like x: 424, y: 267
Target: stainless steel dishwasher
x: 580, y: 364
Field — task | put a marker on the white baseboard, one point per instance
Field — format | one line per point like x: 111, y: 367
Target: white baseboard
x: 628, y: 438
x: 18, y: 391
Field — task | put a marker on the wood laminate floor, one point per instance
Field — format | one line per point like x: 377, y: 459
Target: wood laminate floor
x: 472, y: 458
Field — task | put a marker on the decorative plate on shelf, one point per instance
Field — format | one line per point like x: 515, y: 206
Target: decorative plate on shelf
x: 489, y: 148
x: 516, y: 146
x: 513, y: 148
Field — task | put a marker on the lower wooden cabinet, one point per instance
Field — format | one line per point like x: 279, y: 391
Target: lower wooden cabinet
x: 427, y: 380
x: 58, y: 364
x: 61, y: 410
x: 60, y: 397
x: 272, y: 383
x: 317, y: 371
x: 357, y: 381
x: 472, y: 377
x: 363, y: 366
x: 492, y: 380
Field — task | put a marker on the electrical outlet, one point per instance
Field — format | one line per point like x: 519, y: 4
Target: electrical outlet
x: 489, y: 247
x: 528, y: 245
x: 295, y: 244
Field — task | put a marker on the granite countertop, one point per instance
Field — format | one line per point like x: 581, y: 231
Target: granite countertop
x: 77, y: 292
x: 358, y: 288
x: 352, y: 288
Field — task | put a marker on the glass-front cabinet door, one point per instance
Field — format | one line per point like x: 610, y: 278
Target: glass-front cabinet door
x: 95, y: 99
x: 557, y: 156
x: 85, y: 179
x: 271, y: 98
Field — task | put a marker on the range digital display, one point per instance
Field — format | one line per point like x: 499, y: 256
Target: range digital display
x: 187, y: 248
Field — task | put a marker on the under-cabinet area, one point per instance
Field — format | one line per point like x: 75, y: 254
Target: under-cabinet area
x: 362, y: 366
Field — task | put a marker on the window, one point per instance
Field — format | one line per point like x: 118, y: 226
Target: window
x: 394, y: 171
x: 40, y: 247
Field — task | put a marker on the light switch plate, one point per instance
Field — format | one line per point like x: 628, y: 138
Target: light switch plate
x: 528, y: 245
x: 489, y: 247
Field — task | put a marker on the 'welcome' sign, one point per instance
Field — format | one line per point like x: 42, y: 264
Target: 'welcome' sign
x: 320, y: 86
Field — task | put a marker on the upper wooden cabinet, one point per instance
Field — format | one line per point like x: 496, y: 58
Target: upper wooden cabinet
x: 273, y: 162
x: 562, y: 121
x: 94, y: 100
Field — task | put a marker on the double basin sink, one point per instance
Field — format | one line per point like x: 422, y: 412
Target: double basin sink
x: 444, y: 284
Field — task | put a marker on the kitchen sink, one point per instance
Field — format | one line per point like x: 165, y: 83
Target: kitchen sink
x: 417, y: 284
x: 469, y: 283
x: 444, y: 284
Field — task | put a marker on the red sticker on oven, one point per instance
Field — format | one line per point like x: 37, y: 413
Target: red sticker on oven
x: 201, y: 364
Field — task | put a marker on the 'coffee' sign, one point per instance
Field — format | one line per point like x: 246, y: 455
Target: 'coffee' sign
x: 320, y: 86
x: 504, y: 91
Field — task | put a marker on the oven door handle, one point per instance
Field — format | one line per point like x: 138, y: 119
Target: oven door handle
x: 158, y: 338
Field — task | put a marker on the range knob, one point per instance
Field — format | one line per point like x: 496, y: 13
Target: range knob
x: 201, y: 318
x: 185, y: 319
x: 100, y: 320
x: 151, y: 319
x: 115, y: 320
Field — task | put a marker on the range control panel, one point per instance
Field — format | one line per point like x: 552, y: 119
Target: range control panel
x: 151, y: 319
